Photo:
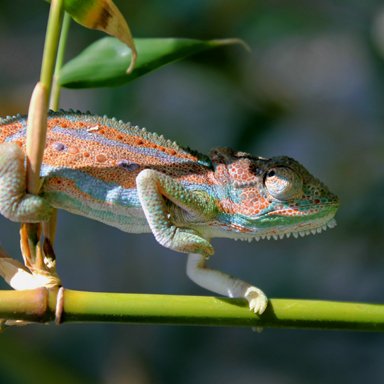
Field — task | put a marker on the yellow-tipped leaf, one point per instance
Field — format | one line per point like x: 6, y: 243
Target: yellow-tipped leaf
x: 104, y: 16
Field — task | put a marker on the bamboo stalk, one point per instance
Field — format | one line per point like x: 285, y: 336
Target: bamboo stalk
x: 40, y: 305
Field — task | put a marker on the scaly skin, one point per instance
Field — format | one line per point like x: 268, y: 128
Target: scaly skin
x: 140, y: 182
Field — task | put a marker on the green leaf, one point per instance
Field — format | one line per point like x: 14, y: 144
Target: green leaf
x: 104, y: 62
x: 104, y: 16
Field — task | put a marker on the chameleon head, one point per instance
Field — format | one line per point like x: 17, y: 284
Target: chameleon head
x: 269, y: 198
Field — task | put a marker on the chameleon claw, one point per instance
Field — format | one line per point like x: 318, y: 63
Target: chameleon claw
x: 257, y: 300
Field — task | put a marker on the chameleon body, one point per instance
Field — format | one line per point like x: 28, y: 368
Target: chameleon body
x: 140, y: 182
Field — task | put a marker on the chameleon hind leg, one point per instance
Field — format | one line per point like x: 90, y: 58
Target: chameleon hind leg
x: 15, y: 203
x: 223, y: 284
x: 153, y: 188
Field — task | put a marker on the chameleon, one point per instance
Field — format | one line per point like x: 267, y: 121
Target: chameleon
x: 140, y: 182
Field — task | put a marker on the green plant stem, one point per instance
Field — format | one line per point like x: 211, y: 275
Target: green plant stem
x: 38, y: 108
x: 37, y: 130
x: 201, y: 310
x: 37, y: 121
x: 39, y: 305
x: 51, y: 42
x: 55, y: 94
x: 49, y: 227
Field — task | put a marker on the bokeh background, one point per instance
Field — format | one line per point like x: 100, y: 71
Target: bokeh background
x: 313, y: 89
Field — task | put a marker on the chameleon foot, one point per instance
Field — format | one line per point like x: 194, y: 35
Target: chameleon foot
x: 15, y: 203
x: 257, y: 300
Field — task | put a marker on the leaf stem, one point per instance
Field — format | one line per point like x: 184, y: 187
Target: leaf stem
x: 49, y: 228
x: 55, y: 94
x: 51, y: 42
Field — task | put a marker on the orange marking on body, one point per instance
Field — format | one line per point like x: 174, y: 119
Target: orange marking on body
x: 55, y: 184
x: 9, y: 130
x: 101, y: 158
x: 73, y: 150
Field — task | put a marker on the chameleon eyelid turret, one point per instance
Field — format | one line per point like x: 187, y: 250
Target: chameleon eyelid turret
x: 283, y: 183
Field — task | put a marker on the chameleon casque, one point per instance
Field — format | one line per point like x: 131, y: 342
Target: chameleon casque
x: 140, y: 182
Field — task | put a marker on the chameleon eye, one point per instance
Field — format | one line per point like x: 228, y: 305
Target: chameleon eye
x: 283, y: 183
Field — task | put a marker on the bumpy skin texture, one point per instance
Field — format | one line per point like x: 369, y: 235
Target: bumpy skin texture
x: 140, y: 182
x: 15, y: 204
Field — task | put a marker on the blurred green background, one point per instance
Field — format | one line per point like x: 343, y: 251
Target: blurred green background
x: 313, y: 89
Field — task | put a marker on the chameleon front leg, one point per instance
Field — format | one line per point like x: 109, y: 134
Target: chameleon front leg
x: 15, y: 203
x: 153, y: 188
x: 223, y: 284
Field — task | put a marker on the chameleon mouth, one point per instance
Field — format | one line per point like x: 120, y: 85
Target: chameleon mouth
x: 296, y: 233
